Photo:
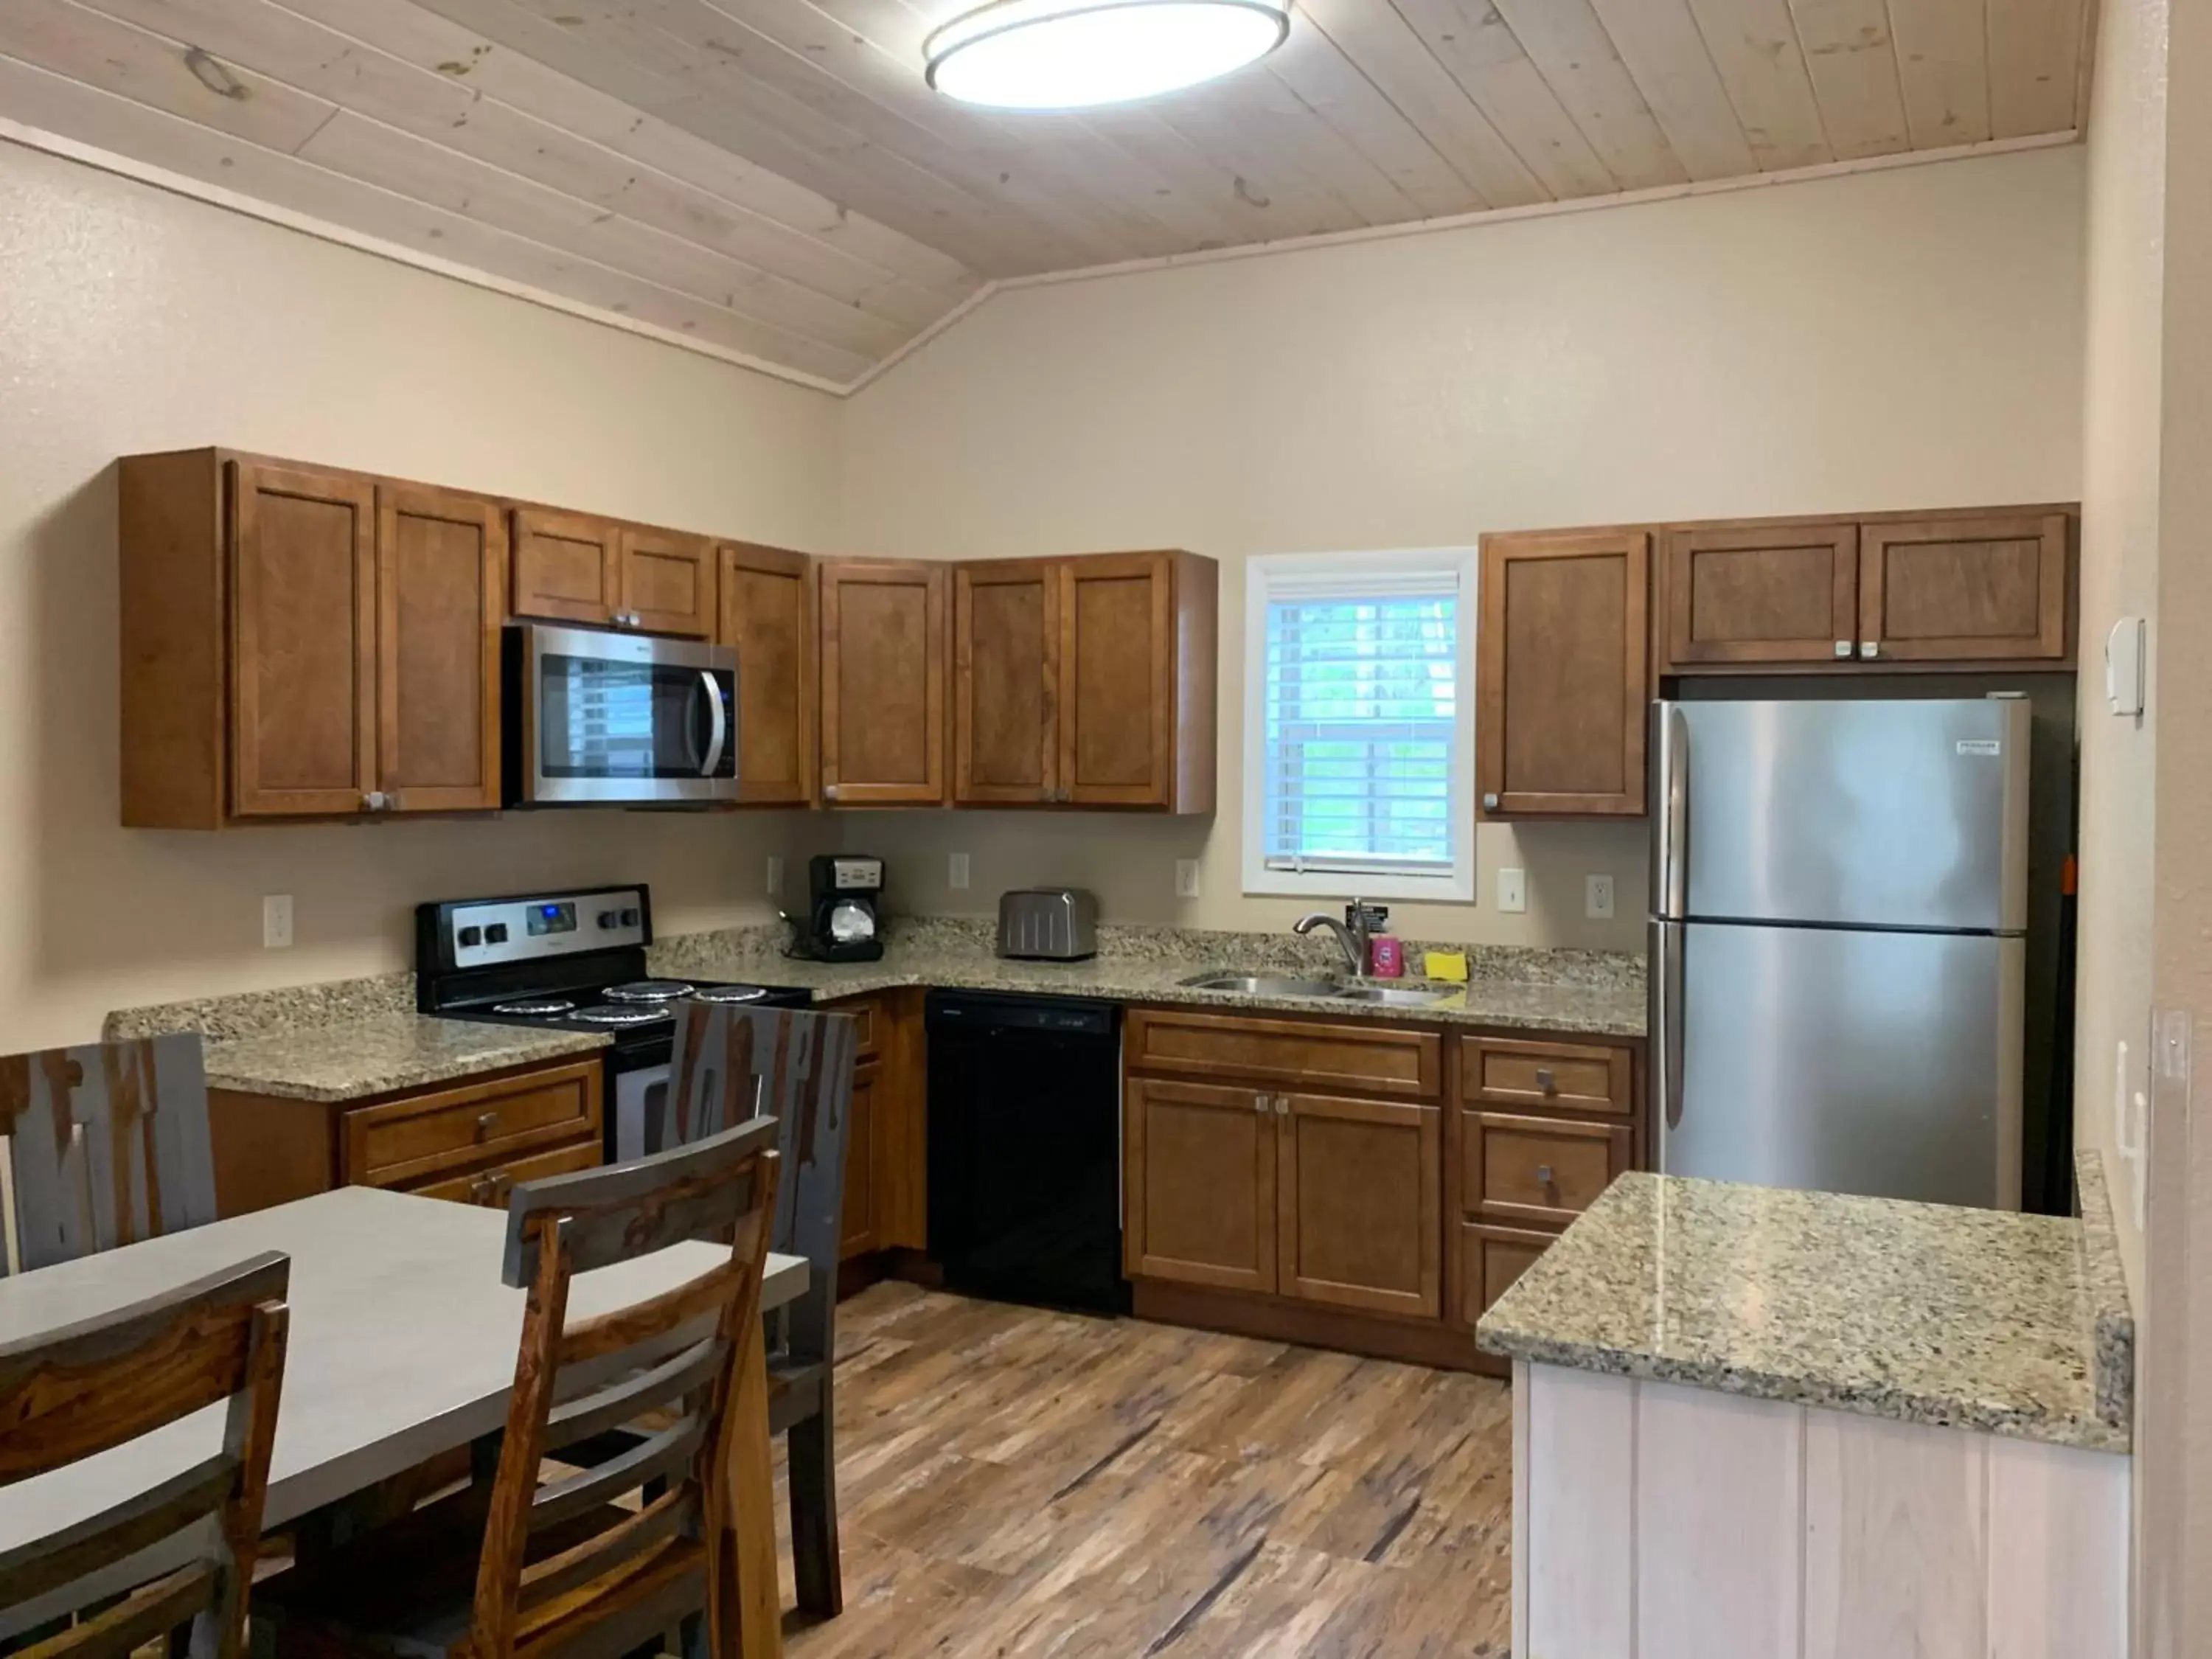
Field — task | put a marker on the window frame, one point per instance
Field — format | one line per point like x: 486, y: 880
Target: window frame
x: 1456, y: 887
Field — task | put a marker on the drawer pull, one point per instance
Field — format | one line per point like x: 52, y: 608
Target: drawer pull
x: 1545, y: 1081
x: 1262, y: 1103
x: 1544, y: 1175
x: 486, y: 1122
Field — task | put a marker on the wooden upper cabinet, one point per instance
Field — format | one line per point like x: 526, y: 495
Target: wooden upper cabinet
x: 766, y: 602
x: 1770, y: 593
x: 1137, y: 681
x: 1005, y: 682
x: 667, y: 582
x: 303, y: 646
x: 567, y: 567
x: 883, y: 636
x: 1200, y: 1187
x: 1561, y: 679
x: 1947, y: 588
x: 1360, y: 1208
x: 440, y: 586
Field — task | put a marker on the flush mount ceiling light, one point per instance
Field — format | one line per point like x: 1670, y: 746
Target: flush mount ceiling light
x: 1069, y: 54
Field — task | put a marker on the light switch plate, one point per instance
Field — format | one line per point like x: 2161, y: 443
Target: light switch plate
x: 1513, y: 892
x: 1597, y: 898
x: 1185, y: 877
x: 774, y: 874
x: 956, y: 871
x: 277, y: 922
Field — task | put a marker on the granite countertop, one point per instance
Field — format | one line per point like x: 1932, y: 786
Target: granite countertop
x: 1581, y: 993
x: 1926, y: 1313
x: 345, y: 1039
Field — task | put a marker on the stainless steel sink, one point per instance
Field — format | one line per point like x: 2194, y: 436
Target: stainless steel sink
x: 1263, y: 985
x: 1388, y: 996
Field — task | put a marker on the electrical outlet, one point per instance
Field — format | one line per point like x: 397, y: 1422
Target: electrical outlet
x: 1597, y: 898
x: 775, y: 874
x: 1185, y: 877
x: 277, y: 922
x: 1513, y: 892
x: 956, y: 871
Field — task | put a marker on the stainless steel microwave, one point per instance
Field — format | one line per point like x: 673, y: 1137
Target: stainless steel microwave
x: 600, y: 719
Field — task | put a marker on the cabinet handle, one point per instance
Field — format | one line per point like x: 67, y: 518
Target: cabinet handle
x: 1869, y: 649
x: 829, y: 792
x: 1843, y: 647
x: 480, y: 1190
x: 1490, y: 803
x: 1544, y: 1175
x: 375, y: 801
x: 486, y: 1122
x: 1545, y: 1081
x: 1262, y: 1103
x: 1282, y: 1105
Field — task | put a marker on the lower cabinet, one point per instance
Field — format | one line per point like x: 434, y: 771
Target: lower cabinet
x: 1199, y: 1184
x: 886, y: 1155
x: 863, y: 1197
x: 1360, y: 1204
x: 1490, y: 1259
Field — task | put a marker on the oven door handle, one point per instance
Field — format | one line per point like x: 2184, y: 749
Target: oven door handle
x: 718, y: 726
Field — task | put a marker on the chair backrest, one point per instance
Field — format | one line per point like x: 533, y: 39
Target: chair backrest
x: 106, y: 1144
x: 672, y: 1358
x: 71, y: 1393
x: 795, y: 1065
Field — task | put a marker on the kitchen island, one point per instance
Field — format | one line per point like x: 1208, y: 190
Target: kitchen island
x: 1763, y: 1423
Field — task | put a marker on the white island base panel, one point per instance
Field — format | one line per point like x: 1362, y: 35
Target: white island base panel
x: 1656, y: 1522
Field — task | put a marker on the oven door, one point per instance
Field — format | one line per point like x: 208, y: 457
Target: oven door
x: 613, y: 719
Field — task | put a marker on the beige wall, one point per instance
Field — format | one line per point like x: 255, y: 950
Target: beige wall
x: 1891, y: 340
x: 132, y: 319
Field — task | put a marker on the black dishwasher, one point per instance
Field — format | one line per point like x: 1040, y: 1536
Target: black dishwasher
x: 1025, y: 1148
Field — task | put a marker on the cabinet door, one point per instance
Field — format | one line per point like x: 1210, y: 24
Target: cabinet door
x: 1117, y: 680
x: 1361, y: 1204
x: 667, y: 582
x: 1490, y: 1259
x: 766, y: 598
x: 1973, y: 588
x: 1562, y: 688
x: 567, y: 567
x: 303, y: 641
x: 1546, y: 1170
x: 862, y: 1201
x: 882, y: 682
x: 1199, y: 1184
x: 1760, y: 593
x: 441, y: 585
x: 1006, y: 683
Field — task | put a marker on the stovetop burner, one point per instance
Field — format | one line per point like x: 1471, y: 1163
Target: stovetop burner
x: 540, y: 1006
x: 616, y: 1014
x: 729, y: 993
x: 649, y: 990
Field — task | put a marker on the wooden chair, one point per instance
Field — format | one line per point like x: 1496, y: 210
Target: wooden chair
x: 796, y: 1065
x: 510, y: 1567
x: 74, y: 1393
x: 105, y: 1144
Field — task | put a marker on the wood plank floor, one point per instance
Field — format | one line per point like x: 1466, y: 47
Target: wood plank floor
x: 1019, y: 1482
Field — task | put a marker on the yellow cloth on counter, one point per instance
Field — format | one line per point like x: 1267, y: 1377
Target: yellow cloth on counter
x: 1445, y: 965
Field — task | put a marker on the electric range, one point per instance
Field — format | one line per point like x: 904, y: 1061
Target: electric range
x: 571, y: 960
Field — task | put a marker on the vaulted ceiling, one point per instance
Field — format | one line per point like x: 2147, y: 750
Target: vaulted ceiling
x: 772, y: 180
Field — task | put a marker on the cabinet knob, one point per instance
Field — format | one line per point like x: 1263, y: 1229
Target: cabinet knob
x: 1262, y: 1103
x: 1282, y: 1105
x: 375, y: 801
x: 1544, y: 1174
x: 1490, y: 803
x: 1843, y: 647
x: 1869, y: 649
x: 1545, y: 1081
x: 829, y: 792
x: 486, y: 1122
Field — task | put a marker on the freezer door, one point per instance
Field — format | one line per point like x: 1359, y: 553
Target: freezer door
x: 1887, y: 1064
x: 1904, y: 813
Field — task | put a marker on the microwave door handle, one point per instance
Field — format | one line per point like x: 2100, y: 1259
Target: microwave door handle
x: 718, y: 726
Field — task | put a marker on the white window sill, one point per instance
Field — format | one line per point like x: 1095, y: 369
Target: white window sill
x: 1455, y: 889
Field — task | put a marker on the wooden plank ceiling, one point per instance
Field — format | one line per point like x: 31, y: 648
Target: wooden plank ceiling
x: 771, y: 179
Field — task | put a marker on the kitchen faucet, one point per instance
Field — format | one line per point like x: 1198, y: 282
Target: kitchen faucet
x: 1353, y: 940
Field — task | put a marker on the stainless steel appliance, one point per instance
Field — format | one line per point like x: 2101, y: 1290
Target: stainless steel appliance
x: 598, y: 718
x: 1049, y: 924
x: 1024, y: 1148
x: 571, y: 960
x: 842, y: 923
x: 1839, y: 894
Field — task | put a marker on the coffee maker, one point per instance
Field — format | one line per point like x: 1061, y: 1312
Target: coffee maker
x: 842, y: 923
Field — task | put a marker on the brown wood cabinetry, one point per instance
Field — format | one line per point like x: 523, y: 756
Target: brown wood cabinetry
x: 571, y: 567
x: 302, y: 642
x: 1546, y: 1170
x: 1199, y: 1184
x: 886, y: 1151
x: 1006, y: 683
x: 1562, y: 678
x: 461, y: 1140
x: 766, y: 598
x: 1952, y: 589
x: 1361, y: 1204
x: 1762, y: 593
x: 1548, y: 1076
x: 1369, y: 1058
x: 1491, y: 1259
x: 883, y: 636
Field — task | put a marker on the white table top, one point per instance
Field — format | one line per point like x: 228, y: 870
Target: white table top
x: 402, y: 1346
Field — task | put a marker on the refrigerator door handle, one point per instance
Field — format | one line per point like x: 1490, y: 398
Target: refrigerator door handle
x: 1666, y: 943
x: 1670, y: 810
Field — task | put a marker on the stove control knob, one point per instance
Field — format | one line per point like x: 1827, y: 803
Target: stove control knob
x: 472, y: 936
x: 610, y: 918
x: 497, y: 933
x: 629, y: 918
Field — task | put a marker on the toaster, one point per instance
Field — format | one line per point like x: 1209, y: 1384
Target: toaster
x: 1049, y: 924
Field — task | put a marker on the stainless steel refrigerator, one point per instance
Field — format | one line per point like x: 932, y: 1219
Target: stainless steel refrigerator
x: 1839, y: 900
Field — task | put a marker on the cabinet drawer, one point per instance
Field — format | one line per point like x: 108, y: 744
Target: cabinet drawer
x: 491, y: 1187
x: 1551, y: 1077
x: 1365, y: 1058
x: 397, y: 1142
x: 1491, y: 1259
x: 1537, y: 1168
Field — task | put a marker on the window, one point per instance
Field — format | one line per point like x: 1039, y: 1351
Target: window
x: 1358, y: 711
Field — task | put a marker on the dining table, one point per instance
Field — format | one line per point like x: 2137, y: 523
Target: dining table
x: 402, y: 1347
